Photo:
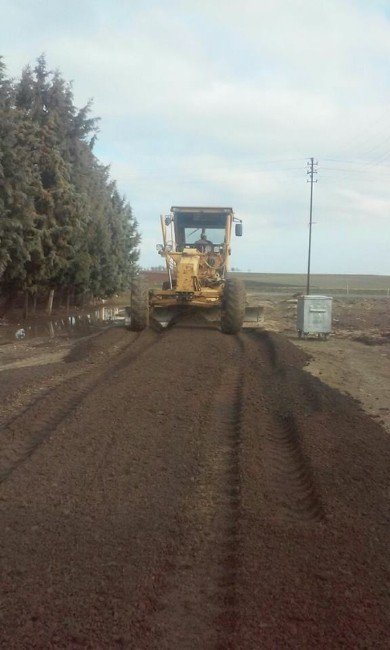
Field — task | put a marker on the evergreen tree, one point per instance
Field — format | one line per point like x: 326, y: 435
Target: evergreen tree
x: 19, y: 187
x: 63, y: 222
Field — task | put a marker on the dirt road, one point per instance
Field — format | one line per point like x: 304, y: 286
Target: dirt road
x: 187, y: 489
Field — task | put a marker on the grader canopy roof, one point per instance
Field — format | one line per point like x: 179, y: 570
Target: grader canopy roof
x: 189, y: 221
x: 192, y: 217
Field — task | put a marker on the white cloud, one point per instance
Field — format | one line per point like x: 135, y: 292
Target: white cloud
x: 197, y: 97
x: 367, y: 206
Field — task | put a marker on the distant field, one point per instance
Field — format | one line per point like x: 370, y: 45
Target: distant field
x: 333, y: 284
x: 369, y: 285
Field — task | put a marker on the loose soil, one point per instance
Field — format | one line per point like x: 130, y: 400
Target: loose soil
x: 356, y: 357
x: 187, y: 489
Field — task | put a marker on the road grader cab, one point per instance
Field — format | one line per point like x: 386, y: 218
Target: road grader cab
x: 196, y: 248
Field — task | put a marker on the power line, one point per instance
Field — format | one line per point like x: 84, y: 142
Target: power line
x: 341, y: 161
x: 370, y: 133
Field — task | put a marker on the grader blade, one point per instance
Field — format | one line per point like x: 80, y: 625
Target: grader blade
x: 253, y: 317
x: 212, y: 314
x: 165, y: 316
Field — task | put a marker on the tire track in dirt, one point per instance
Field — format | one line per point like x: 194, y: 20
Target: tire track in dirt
x: 289, y: 470
x: 267, y: 344
x: 25, y: 432
x: 198, y: 600
x: 315, y: 576
x: 180, y: 509
x: 287, y: 467
x: 227, y: 417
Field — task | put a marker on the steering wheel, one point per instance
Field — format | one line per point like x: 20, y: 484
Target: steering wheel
x: 205, y: 246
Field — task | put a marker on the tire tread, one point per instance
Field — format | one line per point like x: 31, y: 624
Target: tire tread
x: 139, y: 309
x: 233, y: 306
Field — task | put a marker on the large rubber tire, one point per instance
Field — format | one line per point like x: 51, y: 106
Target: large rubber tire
x: 139, y: 308
x: 233, y: 306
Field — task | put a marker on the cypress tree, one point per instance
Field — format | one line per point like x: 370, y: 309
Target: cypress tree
x: 63, y: 222
x: 19, y: 187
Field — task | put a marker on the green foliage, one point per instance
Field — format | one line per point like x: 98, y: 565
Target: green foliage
x: 63, y: 222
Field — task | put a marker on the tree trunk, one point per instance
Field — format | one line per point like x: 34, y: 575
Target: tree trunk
x: 35, y: 298
x: 3, y: 266
x: 7, y: 305
x: 50, y: 302
x: 67, y: 300
x: 25, y: 308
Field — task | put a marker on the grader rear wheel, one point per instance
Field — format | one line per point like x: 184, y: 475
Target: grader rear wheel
x: 233, y: 307
x: 139, y: 308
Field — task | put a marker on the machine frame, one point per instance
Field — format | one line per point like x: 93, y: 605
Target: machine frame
x: 195, y: 277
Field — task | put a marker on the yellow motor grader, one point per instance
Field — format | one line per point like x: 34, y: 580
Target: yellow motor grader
x: 196, y: 249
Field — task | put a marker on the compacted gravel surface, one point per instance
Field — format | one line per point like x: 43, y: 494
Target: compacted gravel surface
x: 187, y: 489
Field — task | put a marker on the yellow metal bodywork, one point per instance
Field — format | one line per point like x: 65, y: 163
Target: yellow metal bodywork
x: 197, y: 278
x: 187, y: 270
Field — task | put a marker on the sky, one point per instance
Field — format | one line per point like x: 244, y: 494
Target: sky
x: 223, y: 102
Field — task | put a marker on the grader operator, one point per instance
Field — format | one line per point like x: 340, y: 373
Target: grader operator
x: 196, y: 248
x: 203, y: 244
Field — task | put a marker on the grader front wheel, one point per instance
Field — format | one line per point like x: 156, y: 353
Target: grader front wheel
x: 139, y: 308
x: 233, y: 307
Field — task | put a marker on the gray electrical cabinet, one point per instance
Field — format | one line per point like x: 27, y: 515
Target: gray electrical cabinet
x: 314, y: 316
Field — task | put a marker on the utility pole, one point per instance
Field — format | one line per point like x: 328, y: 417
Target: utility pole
x: 310, y: 172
